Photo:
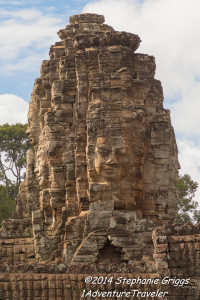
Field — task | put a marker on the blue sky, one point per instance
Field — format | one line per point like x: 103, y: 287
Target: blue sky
x: 22, y: 85
x: 169, y: 30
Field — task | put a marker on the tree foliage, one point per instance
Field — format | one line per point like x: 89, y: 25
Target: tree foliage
x: 13, y: 146
x: 187, y: 206
x: 7, y: 203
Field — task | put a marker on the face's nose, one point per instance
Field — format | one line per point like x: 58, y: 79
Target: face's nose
x: 28, y: 131
x: 112, y: 160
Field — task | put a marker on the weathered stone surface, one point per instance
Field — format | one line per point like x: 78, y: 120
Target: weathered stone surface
x: 103, y: 144
x: 102, y: 175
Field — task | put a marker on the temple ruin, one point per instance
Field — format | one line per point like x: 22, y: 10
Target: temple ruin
x: 100, y: 191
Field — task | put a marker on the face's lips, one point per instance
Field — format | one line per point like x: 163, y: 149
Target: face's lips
x: 112, y: 165
x: 112, y: 171
x: 113, y: 168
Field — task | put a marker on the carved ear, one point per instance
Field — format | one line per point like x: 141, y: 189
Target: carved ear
x: 92, y: 174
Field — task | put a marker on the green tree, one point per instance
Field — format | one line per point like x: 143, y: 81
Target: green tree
x: 7, y: 204
x: 187, y: 206
x: 197, y: 216
x: 13, y: 146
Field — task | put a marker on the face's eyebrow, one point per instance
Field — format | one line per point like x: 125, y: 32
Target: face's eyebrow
x: 103, y: 146
x: 120, y: 147
x: 104, y: 149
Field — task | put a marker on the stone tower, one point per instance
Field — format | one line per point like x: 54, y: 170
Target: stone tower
x: 105, y: 156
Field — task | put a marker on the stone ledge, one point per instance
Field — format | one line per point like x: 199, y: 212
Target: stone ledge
x: 86, y: 18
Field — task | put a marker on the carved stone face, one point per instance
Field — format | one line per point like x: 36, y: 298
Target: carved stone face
x: 33, y: 135
x: 33, y: 130
x: 112, y: 159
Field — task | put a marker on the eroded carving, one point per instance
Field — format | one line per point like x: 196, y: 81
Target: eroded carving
x: 105, y: 157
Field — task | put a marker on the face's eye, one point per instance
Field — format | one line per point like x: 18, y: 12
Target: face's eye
x: 103, y: 151
x: 120, y: 151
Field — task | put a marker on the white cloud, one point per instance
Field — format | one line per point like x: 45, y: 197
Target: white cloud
x: 24, y: 35
x: 29, y: 63
x: 185, y: 112
x: 189, y: 156
x: 13, y: 109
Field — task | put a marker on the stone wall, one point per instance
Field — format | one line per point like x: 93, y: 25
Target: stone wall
x: 177, y: 250
x: 73, y: 287
x: 16, y: 251
x: 169, y: 254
